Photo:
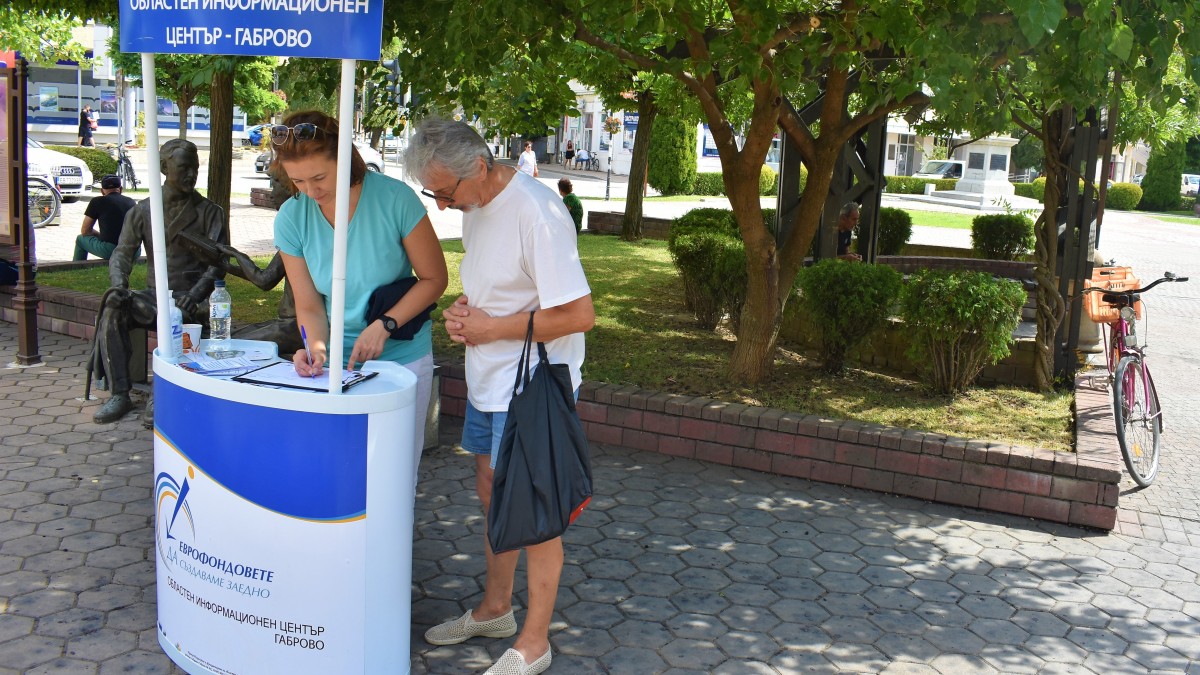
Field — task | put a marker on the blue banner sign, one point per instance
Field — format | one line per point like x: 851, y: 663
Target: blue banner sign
x: 631, y: 121
x: 330, y: 29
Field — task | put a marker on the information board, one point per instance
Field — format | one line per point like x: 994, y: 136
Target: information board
x: 330, y: 29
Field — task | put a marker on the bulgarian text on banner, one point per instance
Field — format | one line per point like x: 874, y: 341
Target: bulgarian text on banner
x: 306, y: 28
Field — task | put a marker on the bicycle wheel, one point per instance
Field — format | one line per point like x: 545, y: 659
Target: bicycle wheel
x: 128, y: 177
x: 1138, y: 421
x: 42, y: 201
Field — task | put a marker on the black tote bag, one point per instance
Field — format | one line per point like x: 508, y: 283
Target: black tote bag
x: 543, y: 477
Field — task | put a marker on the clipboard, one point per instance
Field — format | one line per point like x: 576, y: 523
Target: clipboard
x: 283, y: 374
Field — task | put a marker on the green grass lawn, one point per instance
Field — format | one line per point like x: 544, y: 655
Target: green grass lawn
x: 1184, y: 217
x: 645, y: 337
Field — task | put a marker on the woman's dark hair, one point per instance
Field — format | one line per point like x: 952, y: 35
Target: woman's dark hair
x: 565, y: 187
x: 325, y: 142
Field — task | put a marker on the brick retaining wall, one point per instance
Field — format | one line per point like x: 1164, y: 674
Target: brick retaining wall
x: 1079, y: 488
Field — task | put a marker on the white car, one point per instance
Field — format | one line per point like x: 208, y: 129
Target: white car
x: 371, y: 157
x: 71, y: 175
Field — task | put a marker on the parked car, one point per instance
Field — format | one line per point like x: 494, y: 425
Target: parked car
x: 372, y: 158
x: 1190, y: 184
x: 941, y: 168
x: 70, y: 174
x: 254, y: 135
x: 1137, y: 178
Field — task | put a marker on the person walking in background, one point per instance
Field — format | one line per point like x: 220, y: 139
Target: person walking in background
x: 571, y: 200
x: 527, y: 162
x: 569, y: 155
x: 109, y: 211
x: 87, y: 125
x: 519, y: 258
x: 390, y: 244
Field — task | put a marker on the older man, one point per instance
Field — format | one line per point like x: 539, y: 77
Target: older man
x: 847, y: 221
x: 521, y: 257
x: 191, y: 280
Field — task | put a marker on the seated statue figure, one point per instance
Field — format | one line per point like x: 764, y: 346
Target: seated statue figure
x: 283, y: 331
x: 190, y: 280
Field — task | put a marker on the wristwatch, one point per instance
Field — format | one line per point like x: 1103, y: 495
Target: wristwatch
x: 389, y: 323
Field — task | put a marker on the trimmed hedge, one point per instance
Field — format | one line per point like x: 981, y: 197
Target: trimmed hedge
x: 706, y: 247
x: 895, y: 229
x: 847, y: 302
x: 1026, y: 190
x: 1123, y: 196
x: 98, y: 161
x: 959, y: 322
x: 709, y: 183
x: 672, y: 161
x: 768, y: 181
x: 1002, y: 236
x: 907, y: 185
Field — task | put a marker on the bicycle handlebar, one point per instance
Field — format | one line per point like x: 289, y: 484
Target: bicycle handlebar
x: 1167, y: 276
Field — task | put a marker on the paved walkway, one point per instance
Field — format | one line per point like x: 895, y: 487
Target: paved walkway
x: 679, y: 566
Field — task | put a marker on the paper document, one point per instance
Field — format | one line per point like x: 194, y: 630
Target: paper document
x: 206, y: 365
x: 285, y: 375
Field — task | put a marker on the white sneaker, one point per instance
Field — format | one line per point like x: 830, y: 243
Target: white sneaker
x: 464, y: 628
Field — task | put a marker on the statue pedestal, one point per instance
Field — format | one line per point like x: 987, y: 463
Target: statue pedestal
x: 986, y: 174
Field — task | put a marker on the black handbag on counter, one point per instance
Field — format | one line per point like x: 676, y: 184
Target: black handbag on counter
x: 543, y: 477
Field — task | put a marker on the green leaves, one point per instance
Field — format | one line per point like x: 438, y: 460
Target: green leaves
x: 1038, y: 18
x: 1121, y: 43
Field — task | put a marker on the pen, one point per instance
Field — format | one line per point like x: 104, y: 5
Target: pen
x: 307, y: 353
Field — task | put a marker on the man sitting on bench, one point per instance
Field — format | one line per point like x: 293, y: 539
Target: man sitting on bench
x: 581, y: 159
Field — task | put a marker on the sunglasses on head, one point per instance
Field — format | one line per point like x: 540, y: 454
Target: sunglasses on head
x: 305, y: 131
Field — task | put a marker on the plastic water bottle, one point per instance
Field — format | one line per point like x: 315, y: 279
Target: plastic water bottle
x: 176, y: 329
x: 220, y: 313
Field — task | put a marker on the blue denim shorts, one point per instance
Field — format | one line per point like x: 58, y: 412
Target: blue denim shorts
x: 482, y: 431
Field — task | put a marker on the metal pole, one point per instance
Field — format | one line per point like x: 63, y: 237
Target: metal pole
x: 25, y: 302
x: 341, y: 220
x: 162, y: 290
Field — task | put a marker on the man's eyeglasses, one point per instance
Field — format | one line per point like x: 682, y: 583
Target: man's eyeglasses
x: 305, y: 131
x: 443, y: 198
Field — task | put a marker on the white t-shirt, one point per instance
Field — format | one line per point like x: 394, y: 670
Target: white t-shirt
x: 527, y: 162
x: 521, y: 255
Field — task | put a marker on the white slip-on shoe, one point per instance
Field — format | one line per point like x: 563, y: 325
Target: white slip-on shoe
x: 512, y: 663
x: 464, y: 628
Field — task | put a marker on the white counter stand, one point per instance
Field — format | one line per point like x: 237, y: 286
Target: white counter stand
x: 267, y: 559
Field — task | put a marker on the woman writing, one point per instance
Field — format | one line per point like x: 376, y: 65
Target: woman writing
x: 389, y: 239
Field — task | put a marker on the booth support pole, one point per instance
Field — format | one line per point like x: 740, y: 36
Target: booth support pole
x: 341, y: 220
x: 158, y: 237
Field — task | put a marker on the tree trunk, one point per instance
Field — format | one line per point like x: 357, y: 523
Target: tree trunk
x: 631, y: 223
x: 754, y: 355
x: 1050, y: 306
x: 185, y: 103
x: 220, y: 144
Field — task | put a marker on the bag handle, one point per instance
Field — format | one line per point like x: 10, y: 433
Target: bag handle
x: 526, y: 356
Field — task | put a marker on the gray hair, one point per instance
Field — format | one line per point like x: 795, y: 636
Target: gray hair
x: 847, y: 209
x: 455, y: 146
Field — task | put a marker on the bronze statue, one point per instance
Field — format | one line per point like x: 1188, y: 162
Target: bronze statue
x: 282, y: 331
x: 190, y: 280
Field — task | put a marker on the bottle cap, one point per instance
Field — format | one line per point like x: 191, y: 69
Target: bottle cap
x: 219, y: 283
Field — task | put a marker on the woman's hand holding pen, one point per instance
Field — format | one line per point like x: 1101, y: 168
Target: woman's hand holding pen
x: 308, y: 368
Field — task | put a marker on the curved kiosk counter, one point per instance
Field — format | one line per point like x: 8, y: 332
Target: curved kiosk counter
x: 283, y: 523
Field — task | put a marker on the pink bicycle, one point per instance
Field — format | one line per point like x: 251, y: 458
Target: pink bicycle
x: 1113, y: 296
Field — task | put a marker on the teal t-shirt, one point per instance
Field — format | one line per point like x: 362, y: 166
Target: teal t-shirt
x: 387, y: 212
